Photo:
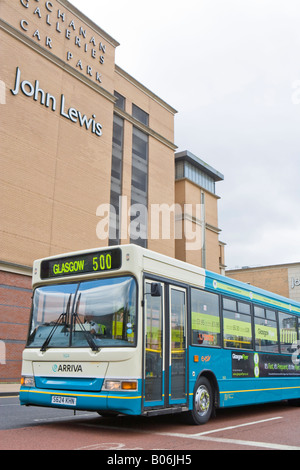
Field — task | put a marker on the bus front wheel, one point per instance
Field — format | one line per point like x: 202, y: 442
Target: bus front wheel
x: 203, y: 402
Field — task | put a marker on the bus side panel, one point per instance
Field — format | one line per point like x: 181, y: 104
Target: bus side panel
x: 239, y: 392
x: 243, y: 385
x: 211, y: 360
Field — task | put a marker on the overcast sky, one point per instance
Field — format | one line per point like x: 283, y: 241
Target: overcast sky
x: 232, y: 70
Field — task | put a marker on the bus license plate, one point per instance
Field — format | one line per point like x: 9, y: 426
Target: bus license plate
x: 69, y: 401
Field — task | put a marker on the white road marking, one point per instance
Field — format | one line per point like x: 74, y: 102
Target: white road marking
x: 203, y: 436
x: 40, y: 420
x: 108, y: 446
x: 11, y: 404
x: 265, y: 445
x: 233, y: 427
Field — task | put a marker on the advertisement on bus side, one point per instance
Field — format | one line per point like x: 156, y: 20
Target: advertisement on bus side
x: 250, y: 365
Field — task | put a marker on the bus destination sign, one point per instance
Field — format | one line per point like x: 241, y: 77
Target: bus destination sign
x: 86, y: 263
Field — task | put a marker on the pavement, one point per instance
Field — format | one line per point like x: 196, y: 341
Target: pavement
x: 9, y: 390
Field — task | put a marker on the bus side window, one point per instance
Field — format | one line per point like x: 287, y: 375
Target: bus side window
x: 237, y: 327
x: 206, y: 329
x: 265, y: 324
x: 288, y: 332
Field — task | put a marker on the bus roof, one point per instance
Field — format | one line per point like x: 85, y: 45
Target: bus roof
x: 161, y: 265
x: 248, y: 292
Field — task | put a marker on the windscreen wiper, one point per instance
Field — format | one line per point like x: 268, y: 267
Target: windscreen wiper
x: 86, y: 333
x: 62, y: 319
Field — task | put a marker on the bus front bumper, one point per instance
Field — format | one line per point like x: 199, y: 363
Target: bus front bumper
x: 122, y: 402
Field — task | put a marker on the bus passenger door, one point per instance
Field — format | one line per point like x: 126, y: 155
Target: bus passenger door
x: 177, y: 346
x: 154, y: 377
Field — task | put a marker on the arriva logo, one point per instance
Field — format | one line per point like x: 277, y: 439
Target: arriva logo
x: 67, y: 368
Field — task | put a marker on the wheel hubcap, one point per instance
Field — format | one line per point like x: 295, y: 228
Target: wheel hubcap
x: 202, y: 400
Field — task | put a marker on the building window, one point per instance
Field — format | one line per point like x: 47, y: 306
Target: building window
x: 179, y: 170
x: 139, y: 189
x: 116, y: 180
x: 189, y: 171
x: 140, y: 115
x: 120, y: 103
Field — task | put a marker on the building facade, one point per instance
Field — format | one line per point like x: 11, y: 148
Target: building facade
x: 282, y: 279
x: 195, y: 190
x: 87, y: 157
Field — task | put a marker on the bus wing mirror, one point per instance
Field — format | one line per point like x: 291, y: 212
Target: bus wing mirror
x: 155, y: 290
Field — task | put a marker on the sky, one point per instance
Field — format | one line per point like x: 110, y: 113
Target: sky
x: 231, y: 68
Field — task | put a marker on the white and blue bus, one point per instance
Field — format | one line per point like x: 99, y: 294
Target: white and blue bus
x: 126, y: 330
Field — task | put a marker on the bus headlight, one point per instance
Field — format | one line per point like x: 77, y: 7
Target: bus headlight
x: 118, y: 385
x: 112, y: 385
x: 28, y: 381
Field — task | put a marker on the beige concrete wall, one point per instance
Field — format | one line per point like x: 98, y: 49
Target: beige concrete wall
x: 161, y: 193
x: 187, y: 192
x: 161, y: 154
x: 294, y: 282
x: 280, y: 279
x: 61, y: 29
x: 56, y: 172
x: 161, y: 115
x: 273, y: 279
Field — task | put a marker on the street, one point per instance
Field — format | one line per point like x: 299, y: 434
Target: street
x: 265, y: 427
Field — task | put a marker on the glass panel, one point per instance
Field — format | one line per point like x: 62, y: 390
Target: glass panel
x: 229, y: 304
x: 179, y: 170
x: 205, y: 319
x: 120, y: 103
x: 140, y: 144
x: 237, y: 330
x: 140, y: 115
x: 259, y: 312
x: 178, y: 344
x: 106, y: 311
x: 244, y: 308
x: 49, y: 303
x: 154, y: 347
x: 116, y: 180
x: 271, y: 315
x: 197, y: 176
x: 288, y: 332
x: 139, y: 189
x: 266, y: 337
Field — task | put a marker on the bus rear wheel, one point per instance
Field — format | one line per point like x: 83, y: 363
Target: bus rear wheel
x: 203, y: 402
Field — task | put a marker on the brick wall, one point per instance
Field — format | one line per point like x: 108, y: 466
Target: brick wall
x: 15, y: 303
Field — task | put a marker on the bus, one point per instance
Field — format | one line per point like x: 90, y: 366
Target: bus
x: 124, y: 330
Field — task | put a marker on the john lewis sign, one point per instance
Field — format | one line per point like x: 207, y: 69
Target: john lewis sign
x: 33, y: 90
